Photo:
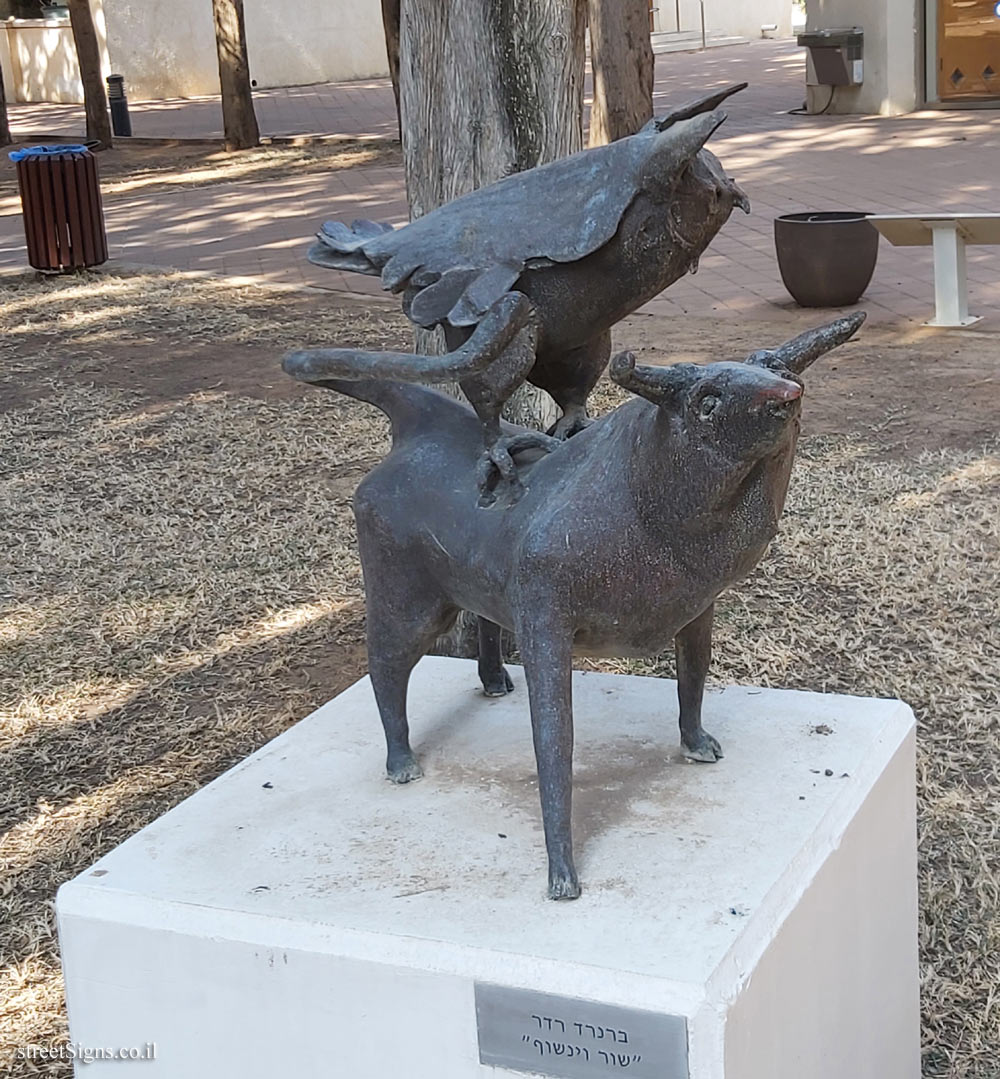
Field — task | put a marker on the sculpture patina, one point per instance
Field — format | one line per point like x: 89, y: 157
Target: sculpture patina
x: 623, y: 540
x: 614, y: 542
x: 527, y: 276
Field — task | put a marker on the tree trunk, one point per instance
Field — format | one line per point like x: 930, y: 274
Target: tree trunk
x: 239, y: 121
x: 621, y: 55
x: 88, y: 54
x: 487, y: 88
x: 390, y: 24
x: 5, y: 138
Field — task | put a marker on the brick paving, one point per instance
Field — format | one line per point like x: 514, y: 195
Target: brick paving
x: 930, y: 161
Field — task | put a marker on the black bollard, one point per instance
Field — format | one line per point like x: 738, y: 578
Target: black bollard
x: 121, y: 122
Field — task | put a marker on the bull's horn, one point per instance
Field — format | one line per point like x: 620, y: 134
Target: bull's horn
x: 796, y: 355
x: 694, y: 108
x: 687, y: 137
x: 656, y: 384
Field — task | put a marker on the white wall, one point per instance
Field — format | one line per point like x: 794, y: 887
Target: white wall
x: 738, y: 17
x: 6, y: 66
x: 892, y: 65
x: 166, y: 48
x: 316, y: 41
x: 39, y: 58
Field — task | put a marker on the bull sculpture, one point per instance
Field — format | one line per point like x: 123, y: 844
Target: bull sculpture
x: 528, y: 275
x: 621, y: 542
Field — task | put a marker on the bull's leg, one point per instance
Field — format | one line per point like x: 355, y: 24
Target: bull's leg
x: 693, y: 646
x: 546, y: 646
x: 403, y: 623
x: 492, y: 673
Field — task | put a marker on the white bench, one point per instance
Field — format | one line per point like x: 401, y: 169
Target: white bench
x: 949, y: 233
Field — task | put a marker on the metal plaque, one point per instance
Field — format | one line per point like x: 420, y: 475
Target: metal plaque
x: 576, y: 1039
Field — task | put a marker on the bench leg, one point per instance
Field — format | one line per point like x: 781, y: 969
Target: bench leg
x: 951, y: 289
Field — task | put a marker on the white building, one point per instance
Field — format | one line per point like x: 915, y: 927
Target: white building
x: 916, y: 52
x: 722, y: 18
x: 166, y: 48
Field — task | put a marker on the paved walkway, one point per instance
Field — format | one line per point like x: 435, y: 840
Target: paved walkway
x: 929, y: 161
x: 361, y: 109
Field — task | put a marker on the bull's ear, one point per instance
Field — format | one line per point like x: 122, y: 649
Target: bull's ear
x: 796, y: 355
x: 664, y: 386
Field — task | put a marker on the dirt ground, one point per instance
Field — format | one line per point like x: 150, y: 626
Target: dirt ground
x: 181, y: 582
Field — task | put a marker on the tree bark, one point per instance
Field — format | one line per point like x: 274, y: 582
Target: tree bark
x: 621, y: 55
x: 239, y: 121
x: 390, y: 24
x: 88, y: 54
x: 5, y: 137
x: 487, y: 88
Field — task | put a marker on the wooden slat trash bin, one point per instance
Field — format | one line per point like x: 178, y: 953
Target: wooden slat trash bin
x: 61, y: 203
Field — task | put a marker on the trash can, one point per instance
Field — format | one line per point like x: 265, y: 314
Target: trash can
x: 61, y: 204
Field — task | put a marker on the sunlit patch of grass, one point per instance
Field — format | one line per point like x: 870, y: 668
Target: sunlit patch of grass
x: 84, y: 312
x: 145, y: 170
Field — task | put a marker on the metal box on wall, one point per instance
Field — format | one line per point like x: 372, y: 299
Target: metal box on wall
x: 835, y: 57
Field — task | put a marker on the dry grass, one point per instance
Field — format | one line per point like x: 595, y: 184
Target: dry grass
x: 148, y: 170
x: 175, y: 573
x: 86, y: 311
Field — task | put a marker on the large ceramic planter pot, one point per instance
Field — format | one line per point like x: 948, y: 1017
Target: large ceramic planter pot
x: 826, y: 259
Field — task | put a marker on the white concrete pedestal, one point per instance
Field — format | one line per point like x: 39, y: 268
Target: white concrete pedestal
x: 754, y: 919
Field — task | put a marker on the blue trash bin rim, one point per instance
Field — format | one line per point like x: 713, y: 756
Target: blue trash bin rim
x: 47, y: 151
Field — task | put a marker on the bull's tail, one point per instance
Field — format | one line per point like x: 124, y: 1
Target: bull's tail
x: 498, y: 328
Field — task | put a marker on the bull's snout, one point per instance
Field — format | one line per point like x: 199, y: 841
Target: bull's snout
x: 779, y: 400
x: 781, y: 393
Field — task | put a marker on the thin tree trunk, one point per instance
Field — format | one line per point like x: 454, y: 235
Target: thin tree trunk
x: 88, y: 54
x: 621, y: 55
x: 5, y: 137
x: 487, y: 88
x: 390, y: 24
x: 239, y: 121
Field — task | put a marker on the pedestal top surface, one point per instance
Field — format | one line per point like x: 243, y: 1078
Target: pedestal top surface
x: 676, y: 859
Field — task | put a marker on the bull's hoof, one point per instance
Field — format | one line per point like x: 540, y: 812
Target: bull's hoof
x: 564, y: 886
x: 703, y: 748
x: 403, y: 769
x: 499, y: 686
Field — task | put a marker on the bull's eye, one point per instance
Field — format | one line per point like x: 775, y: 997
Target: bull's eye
x: 708, y: 405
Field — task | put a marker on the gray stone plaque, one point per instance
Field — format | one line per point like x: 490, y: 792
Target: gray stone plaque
x: 576, y: 1039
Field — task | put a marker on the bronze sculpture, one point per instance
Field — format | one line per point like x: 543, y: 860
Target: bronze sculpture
x: 612, y: 542
x: 527, y: 276
x: 622, y: 541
